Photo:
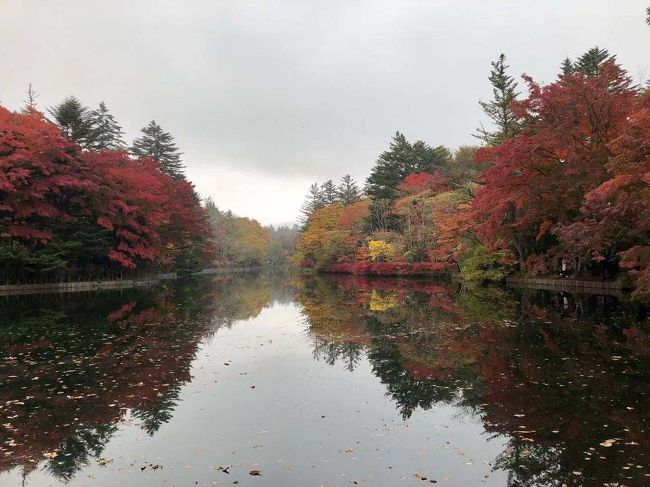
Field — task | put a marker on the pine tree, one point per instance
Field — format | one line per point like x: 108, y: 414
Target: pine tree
x: 159, y: 145
x: 313, y: 202
x: 402, y: 159
x: 106, y: 133
x: 591, y: 62
x: 30, y: 102
x: 567, y: 67
x: 348, y: 192
x: 498, y: 109
x: 329, y: 193
x: 73, y: 118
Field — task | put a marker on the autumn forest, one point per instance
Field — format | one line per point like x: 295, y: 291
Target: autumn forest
x: 558, y: 184
x: 560, y: 187
x: 356, y: 243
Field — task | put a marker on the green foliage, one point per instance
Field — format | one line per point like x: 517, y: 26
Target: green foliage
x: 567, y: 67
x: 314, y: 201
x: 463, y: 169
x: 160, y: 145
x: 402, y: 159
x: 499, y: 108
x: 74, y: 119
x: 329, y: 192
x: 106, y: 134
x: 282, y: 244
x: 481, y: 265
x: 348, y: 192
x: 591, y: 62
x: 380, y: 217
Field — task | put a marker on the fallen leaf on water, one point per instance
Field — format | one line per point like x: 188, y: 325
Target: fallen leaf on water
x: 608, y: 443
x: 103, y: 461
x: 255, y: 473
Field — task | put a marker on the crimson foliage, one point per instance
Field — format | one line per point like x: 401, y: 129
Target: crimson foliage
x: 573, y: 185
x: 67, y: 211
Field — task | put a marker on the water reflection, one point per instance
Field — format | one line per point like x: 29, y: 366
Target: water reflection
x: 564, y: 378
x: 74, y: 366
x: 561, y: 379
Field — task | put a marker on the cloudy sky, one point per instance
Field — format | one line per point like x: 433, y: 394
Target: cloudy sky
x: 265, y: 97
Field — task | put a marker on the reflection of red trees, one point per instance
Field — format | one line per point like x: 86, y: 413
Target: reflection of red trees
x: 47, y: 403
x: 552, y: 381
x: 563, y: 381
x: 389, y: 268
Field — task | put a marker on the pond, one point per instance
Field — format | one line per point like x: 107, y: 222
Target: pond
x: 268, y: 379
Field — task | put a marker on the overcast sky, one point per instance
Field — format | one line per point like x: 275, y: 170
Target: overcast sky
x: 264, y: 97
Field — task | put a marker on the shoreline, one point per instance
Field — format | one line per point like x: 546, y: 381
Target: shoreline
x: 114, y: 284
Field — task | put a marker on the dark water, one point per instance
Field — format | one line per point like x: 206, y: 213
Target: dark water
x: 315, y: 381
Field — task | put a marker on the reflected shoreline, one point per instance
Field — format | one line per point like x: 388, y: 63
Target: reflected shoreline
x: 556, y: 374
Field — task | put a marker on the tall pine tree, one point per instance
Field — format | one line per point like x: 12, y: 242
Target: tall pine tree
x: 159, y: 145
x: 402, y: 159
x: 329, y: 193
x: 74, y: 119
x: 498, y: 109
x: 106, y: 134
x: 591, y: 62
x: 567, y: 67
x: 591, y: 65
x: 348, y: 191
x: 313, y: 202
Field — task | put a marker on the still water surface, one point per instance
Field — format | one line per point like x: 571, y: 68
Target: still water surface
x: 323, y: 381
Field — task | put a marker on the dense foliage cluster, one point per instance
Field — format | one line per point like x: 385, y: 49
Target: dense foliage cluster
x: 77, y: 202
x: 68, y: 211
x: 562, y: 184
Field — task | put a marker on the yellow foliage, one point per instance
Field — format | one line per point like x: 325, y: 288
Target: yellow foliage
x: 380, y: 250
x: 380, y: 302
x: 251, y: 244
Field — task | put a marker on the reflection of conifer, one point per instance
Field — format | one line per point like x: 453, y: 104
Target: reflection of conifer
x: 407, y: 391
x: 159, y: 413
x: 78, y: 450
x: 331, y: 352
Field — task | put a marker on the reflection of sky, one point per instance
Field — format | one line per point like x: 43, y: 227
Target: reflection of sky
x: 278, y: 428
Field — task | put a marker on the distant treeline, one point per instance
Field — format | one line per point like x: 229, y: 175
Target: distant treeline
x: 560, y: 185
